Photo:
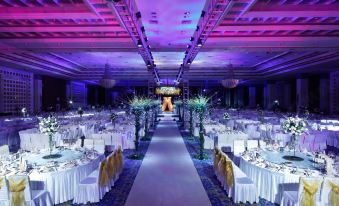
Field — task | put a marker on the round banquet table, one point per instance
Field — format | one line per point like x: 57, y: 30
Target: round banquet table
x: 270, y: 183
x: 62, y: 184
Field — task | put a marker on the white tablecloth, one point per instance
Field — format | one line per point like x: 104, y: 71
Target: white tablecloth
x: 270, y: 184
x: 62, y: 184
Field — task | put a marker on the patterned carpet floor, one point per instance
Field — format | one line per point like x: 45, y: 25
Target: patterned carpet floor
x: 215, y: 191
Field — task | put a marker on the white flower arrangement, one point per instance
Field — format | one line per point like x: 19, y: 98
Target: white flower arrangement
x: 49, y: 125
x: 294, y: 125
x: 227, y: 116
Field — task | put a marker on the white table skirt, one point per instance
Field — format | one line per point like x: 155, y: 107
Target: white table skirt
x: 270, y: 184
x: 62, y: 184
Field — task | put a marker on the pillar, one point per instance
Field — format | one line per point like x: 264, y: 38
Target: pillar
x: 252, y: 97
x: 302, y: 93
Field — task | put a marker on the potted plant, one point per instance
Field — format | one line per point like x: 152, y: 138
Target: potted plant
x: 191, y: 107
x: 137, y: 109
x: 113, y: 117
x: 201, y: 107
x: 147, y: 107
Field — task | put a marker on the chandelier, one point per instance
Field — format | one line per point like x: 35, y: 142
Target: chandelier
x: 229, y: 81
x: 107, y: 80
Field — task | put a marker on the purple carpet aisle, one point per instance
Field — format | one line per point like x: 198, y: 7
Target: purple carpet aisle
x: 167, y: 175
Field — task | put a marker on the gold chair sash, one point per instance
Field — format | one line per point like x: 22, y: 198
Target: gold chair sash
x: 2, y: 182
x: 229, y: 173
x: 216, y: 159
x: 121, y: 159
x: 221, y: 166
x: 111, y: 167
x: 103, y: 176
x: 308, y: 196
x: 117, y: 162
x: 17, y: 189
x: 334, y: 194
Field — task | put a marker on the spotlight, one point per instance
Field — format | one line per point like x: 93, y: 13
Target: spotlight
x: 149, y: 64
x: 192, y: 38
x: 202, y: 14
x: 199, y: 43
x: 143, y: 29
x: 138, y: 15
x: 70, y: 102
x: 139, y: 43
x: 197, y: 28
x: 188, y: 46
x: 189, y: 62
x: 186, y: 52
x: 146, y: 39
x: 148, y: 46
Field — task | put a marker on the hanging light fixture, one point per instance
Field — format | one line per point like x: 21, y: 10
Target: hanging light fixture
x: 229, y: 81
x: 107, y: 80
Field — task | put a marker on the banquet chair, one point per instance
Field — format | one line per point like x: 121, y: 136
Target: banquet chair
x: 94, y: 186
x: 4, y: 150
x: 119, y: 161
x: 89, y: 143
x: 19, y: 185
x: 238, y: 185
x: 4, y: 194
x: 238, y: 146
x: 252, y: 144
x: 78, y: 143
x: 308, y: 193
x: 99, y: 145
x: 329, y: 192
x: 111, y: 169
x: 262, y: 144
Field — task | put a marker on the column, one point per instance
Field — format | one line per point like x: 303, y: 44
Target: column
x: 302, y: 93
x: 334, y: 92
x: 324, y: 89
x: 37, y: 90
x: 252, y: 97
x: 269, y: 95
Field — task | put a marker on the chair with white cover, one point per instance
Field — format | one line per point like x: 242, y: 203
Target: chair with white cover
x: 252, y: 144
x: 4, y: 194
x: 78, y: 143
x: 308, y: 193
x: 238, y: 146
x: 262, y: 144
x: 20, y: 192
x: 89, y: 143
x: 99, y: 145
x: 94, y: 186
x: 329, y: 193
x: 4, y: 150
x: 238, y: 185
x: 111, y: 169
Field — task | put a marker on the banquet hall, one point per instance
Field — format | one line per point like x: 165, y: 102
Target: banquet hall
x: 169, y: 102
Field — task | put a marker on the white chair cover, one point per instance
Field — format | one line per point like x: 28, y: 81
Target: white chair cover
x: 4, y: 194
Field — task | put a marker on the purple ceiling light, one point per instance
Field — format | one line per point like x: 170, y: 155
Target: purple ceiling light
x: 230, y: 81
x: 107, y: 80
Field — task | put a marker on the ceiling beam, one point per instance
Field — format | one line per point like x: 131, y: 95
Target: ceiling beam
x: 274, y: 27
x: 130, y: 17
x: 209, y: 19
x: 49, y: 28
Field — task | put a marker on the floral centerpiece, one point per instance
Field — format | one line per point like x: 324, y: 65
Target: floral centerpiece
x: 113, y: 117
x: 201, y: 107
x: 295, y: 126
x: 49, y: 126
x: 24, y: 111
x: 137, y: 109
x: 80, y: 111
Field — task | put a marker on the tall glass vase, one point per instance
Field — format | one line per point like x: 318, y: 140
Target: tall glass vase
x: 50, y: 141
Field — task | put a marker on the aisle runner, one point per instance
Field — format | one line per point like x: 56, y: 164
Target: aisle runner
x: 167, y: 175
